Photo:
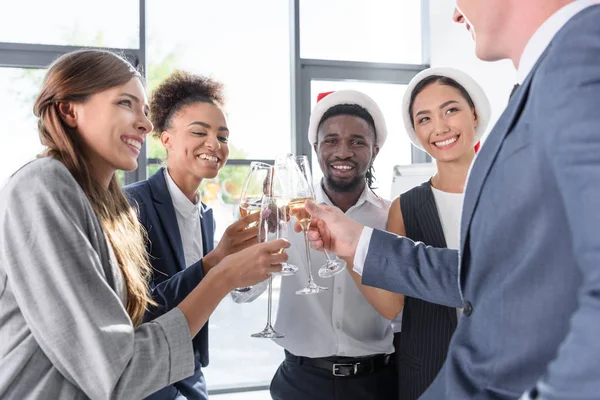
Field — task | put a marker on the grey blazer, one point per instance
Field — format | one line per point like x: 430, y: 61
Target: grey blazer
x: 528, y: 276
x: 64, y: 333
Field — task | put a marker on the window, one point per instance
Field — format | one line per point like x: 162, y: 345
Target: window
x: 360, y: 30
x: 250, y: 55
x: 108, y: 23
x: 22, y: 143
x: 397, y: 148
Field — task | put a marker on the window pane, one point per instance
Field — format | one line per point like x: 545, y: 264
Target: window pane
x: 361, y: 30
x: 397, y: 148
x: 244, y: 44
x: 236, y: 359
x: 19, y: 89
x: 222, y: 194
x: 107, y: 23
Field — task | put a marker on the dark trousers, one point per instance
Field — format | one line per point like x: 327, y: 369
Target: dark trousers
x: 397, y: 364
x: 294, y: 381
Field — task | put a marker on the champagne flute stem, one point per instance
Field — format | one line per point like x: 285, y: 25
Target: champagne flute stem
x: 306, y: 246
x: 269, y: 301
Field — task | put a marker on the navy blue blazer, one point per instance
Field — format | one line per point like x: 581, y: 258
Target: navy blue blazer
x: 171, y: 281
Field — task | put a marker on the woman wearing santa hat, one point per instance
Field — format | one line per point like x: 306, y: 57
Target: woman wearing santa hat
x: 445, y: 114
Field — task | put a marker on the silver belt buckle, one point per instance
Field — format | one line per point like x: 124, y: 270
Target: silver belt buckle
x: 337, y: 366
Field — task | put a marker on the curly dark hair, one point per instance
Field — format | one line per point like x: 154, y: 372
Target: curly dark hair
x: 356, y: 111
x: 181, y: 89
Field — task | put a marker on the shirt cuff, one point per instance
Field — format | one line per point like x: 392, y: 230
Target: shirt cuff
x: 362, y: 249
x: 251, y: 294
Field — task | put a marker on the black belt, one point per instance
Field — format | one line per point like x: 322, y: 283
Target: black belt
x: 344, y: 366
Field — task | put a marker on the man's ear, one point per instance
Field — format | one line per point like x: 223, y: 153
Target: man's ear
x: 315, y: 147
x: 67, y: 113
x: 375, y: 152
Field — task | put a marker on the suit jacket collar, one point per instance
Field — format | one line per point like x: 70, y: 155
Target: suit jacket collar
x: 428, y: 211
x: 208, y: 229
x: 166, y: 213
x: 545, y: 33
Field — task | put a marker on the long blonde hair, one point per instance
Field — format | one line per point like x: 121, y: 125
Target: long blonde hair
x: 73, y: 78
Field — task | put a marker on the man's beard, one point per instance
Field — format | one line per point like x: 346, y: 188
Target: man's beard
x: 344, y: 187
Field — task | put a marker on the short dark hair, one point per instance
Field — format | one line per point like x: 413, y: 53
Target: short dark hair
x: 179, y: 90
x: 356, y: 111
x: 442, y: 80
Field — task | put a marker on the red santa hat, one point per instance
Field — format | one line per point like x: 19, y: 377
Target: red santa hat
x: 330, y: 99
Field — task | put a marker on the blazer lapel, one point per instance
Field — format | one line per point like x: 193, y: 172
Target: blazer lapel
x: 428, y: 218
x: 207, y: 224
x: 485, y: 159
x: 166, y: 213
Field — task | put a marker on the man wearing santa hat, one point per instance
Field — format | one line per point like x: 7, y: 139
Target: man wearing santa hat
x: 337, y: 346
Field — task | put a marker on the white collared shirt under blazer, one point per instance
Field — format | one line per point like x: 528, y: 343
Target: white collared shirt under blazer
x: 188, y: 220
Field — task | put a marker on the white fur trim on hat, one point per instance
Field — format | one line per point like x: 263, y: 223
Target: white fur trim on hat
x: 480, y: 100
x: 347, y: 97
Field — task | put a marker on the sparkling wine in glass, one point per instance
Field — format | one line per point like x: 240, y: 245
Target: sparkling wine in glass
x: 295, y: 174
x: 273, y: 224
x: 255, y: 186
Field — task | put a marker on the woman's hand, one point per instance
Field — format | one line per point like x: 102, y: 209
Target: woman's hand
x: 238, y: 236
x: 254, y: 264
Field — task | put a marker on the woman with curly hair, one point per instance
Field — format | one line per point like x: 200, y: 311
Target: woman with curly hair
x: 187, y: 113
x: 73, y: 267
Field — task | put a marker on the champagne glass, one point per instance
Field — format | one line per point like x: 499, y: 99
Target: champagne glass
x: 259, y: 175
x: 331, y: 267
x: 296, y: 180
x: 273, y: 224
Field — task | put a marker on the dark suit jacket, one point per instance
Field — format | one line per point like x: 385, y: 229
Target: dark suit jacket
x: 528, y: 275
x: 171, y: 280
x: 426, y: 327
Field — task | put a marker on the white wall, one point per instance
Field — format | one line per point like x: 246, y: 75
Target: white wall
x: 451, y: 45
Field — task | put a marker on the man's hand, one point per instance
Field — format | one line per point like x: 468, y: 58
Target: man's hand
x: 238, y: 236
x: 332, y: 229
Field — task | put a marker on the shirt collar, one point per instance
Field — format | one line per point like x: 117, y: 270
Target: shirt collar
x: 367, y: 195
x: 182, y: 204
x: 540, y: 40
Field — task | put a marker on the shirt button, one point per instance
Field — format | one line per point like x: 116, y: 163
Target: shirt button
x: 339, y: 290
x: 467, y: 309
x: 337, y: 325
x: 342, y: 353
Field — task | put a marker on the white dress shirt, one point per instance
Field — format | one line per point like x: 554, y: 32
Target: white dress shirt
x: 339, y: 321
x: 449, y: 207
x: 188, y: 220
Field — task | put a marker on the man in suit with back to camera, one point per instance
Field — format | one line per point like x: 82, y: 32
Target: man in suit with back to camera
x: 527, y: 272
